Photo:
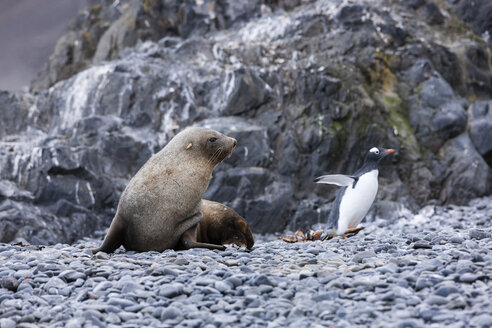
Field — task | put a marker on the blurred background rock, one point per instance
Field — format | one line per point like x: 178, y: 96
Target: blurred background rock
x: 307, y: 87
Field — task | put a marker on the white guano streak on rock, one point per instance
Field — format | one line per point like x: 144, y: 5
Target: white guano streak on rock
x: 91, y: 193
x: 78, y: 97
x: 77, y: 186
x: 54, y: 157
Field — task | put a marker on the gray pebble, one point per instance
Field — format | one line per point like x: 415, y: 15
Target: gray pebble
x: 409, y: 323
x: 436, y: 300
x: 263, y: 280
x: 360, y: 257
x: 71, y: 275
x: 478, y: 234
x: 9, y: 283
x: 457, y: 239
x: 469, y: 277
x: 56, y: 284
x: 171, y: 290
x: 102, y: 256
x: 446, y: 290
x: 422, y: 245
x: 7, y: 323
x: 171, y: 313
x: 482, y: 320
x: 120, y: 302
x: 222, y: 286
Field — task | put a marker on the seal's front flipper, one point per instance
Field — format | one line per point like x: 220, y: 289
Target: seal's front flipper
x: 114, y: 237
x: 188, y: 240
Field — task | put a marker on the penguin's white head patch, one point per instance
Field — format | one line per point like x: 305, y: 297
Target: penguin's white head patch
x: 374, y: 150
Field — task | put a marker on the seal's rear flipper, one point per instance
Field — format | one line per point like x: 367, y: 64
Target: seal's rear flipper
x: 188, y: 240
x: 113, y: 239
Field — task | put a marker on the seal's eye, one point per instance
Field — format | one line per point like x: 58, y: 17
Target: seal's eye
x: 213, y: 139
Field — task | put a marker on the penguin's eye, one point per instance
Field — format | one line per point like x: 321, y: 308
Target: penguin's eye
x: 377, y: 152
x: 213, y: 139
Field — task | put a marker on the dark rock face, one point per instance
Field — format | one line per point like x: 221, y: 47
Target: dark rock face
x: 435, y: 114
x: 305, y: 87
x: 480, y: 128
x: 478, y: 15
x: 14, y: 113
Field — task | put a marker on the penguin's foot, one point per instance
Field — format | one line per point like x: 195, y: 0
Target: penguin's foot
x: 353, y: 231
x: 330, y: 234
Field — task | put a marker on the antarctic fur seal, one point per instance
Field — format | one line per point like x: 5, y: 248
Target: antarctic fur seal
x: 221, y: 225
x: 161, y: 206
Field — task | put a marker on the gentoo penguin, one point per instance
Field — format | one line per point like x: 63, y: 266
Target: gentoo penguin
x: 359, y: 190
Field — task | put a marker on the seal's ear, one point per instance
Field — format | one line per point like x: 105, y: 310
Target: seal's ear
x: 189, y: 146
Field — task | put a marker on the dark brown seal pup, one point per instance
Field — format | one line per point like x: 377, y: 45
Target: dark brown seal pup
x: 221, y: 225
x: 161, y: 206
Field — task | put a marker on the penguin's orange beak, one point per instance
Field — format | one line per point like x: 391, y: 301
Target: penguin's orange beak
x: 389, y: 151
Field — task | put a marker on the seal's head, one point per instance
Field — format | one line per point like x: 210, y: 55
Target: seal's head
x: 212, y: 145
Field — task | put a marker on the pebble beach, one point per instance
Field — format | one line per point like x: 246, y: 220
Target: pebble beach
x: 431, y: 269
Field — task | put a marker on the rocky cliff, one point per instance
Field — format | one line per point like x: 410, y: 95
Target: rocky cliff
x: 306, y: 87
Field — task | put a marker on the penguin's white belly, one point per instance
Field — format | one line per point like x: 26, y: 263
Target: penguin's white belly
x: 357, y: 201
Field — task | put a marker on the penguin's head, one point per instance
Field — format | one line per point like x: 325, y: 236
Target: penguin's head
x: 376, y: 154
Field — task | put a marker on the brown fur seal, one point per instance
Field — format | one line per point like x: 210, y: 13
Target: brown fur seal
x: 221, y: 225
x: 161, y: 206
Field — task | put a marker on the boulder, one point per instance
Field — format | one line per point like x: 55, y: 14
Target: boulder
x: 468, y: 175
x: 435, y: 114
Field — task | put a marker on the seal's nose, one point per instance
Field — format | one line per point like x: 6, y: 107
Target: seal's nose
x: 234, y: 142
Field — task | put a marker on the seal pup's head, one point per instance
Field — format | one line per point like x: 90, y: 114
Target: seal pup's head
x: 221, y: 225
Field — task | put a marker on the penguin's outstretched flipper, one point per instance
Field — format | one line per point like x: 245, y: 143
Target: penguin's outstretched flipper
x: 336, y: 179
